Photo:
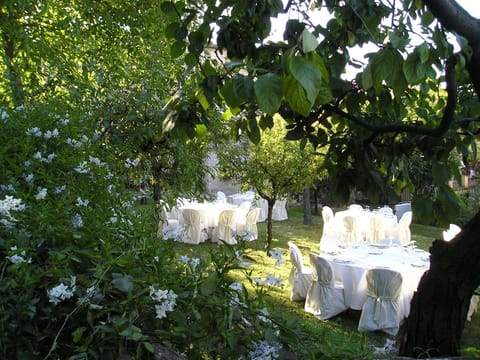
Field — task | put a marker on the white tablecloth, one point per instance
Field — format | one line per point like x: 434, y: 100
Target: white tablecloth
x: 237, y: 199
x: 350, y: 266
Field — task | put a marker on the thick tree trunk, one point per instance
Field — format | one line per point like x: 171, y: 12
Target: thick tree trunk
x: 440, y: 305
x: 307, y: 207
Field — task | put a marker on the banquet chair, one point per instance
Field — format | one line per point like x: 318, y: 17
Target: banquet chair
x: 401, y: 233
x: 356, y: 207
x: 377, y: 228
x: 451, y: 232
x: 263, y: 205
x: 279, y: 211
x: 328, y: 222
x: 167, y: 227
x: 245, y: 205
x: 325, y: 297
x: 382, y: 309
x: 221, y: 197
x: 226, y: 229
x: 195, y: 231
x: 386, y: 210
x: 249, y: 230
x: 352, y: 233
x: 300, y: 277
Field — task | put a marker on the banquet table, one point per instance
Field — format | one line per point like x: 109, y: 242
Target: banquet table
x: 351, y: 264
x: 210, y: 212
x: 238, y: 198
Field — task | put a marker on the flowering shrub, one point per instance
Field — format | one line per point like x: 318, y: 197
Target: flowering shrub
x: 82, y: 273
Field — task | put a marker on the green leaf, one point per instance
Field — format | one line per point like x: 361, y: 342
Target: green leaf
x: 177, y: 49
x: 243, y: 88
x: 149, y: 347
x: 308, y: 75
x: 171, y: 29
x: 122, y: 283
x: 229, y: 95
x: 132, y: 332
x: 309, y: 41
x: 268, y: 92
x: 413, y: 70
x: 78, y: 333
x: 424, y: 52
x: 296, y: 97
x: 253, y: 130
x: 440, y: 172
x: 208, y: 286
x: 181, y: 33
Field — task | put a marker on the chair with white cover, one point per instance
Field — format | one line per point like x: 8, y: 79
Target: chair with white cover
x: 279, y: 211
x: 195, y: 231
x: 451, y: 232
x: 263, y: 205
x: 325, y: 297
x: 167, y: 227
x: 249, y: 230
x: 382, y: 309
x: 300, y: 277
x: 355, y: 207
x: 328, y: 222
x: 221, y: 197
x: 245, y: 205
x: 386, y: 210
x: 226, y: 229
x: 352, y: 233
x: 403, y: 229
x: 377, y: 228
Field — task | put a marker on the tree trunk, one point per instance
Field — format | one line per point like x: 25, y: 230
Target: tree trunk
x: 270, y: 202
x: 440, y: 305
x: 307, y: 207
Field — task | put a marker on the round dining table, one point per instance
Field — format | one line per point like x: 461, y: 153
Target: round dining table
x: 351, y: 264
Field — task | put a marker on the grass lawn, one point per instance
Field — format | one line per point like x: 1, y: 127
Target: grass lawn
x: 336, y: 338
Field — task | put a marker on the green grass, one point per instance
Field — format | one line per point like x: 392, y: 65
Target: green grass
x: 336, y: 338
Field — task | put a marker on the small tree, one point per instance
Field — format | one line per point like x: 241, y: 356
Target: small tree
x: 274, y: 167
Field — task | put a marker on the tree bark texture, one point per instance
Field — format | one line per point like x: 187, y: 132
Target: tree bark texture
x: 440, y: 305
x: 307, y: 207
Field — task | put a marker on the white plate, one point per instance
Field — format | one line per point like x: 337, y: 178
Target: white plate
x: 375, y: 252
x: 343, y: 261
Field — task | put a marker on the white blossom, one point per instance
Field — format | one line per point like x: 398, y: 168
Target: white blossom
x: 62, y: 292
x: 51, y: 134
x: 82, y: 168
x: 35, y: 131
x: 166, y: 300
x: 277, y: 255
x: 82, y: 203
x: 41, y: 193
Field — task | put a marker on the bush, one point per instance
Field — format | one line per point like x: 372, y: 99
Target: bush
x: 82, y: 274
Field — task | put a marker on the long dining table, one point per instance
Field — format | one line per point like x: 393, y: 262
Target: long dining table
x: 351, y: 264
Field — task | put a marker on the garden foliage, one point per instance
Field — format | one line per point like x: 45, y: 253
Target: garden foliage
x: 82, y: 275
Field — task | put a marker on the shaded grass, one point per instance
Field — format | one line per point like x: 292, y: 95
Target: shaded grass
x: 336, y: 338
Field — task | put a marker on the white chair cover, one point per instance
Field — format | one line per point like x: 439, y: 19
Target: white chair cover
x: 279, y: 211
x: 263, y: 205
x: 167, y: 227
x: 352, y: 233
x: 325, y: 297
x: 452, y: 231
x: 249, y: 230
x: 221, y: 197
x: 404, y: 234
x: 377, y: 228
x: 474, y: 301
x: 300, y: 277
x: 195, y: 231
x: 245, y: 205
x: 328, y: 218
x: 356, y: 207
x: 382, y: 310
x: 226, y: 228
x: 386, y: 210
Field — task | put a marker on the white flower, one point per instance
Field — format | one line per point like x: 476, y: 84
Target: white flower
x: 81, y: 202
x: 29, y: 178
x: 194, y: 263
x: 41, y: 193
x: 16, y: 259
x: 37, y: 155
x: 77, y: 221
x: 277, y: 255
x: 64, y: 122
x: 51, y: 134
x: 264, y: 351
x: 131, y: 163
x: 35, y: 131
x: 82, y: 168
x: 184, y: 259
x: 96, y: 161
x: 270, y: 280
x: 62, y: 291
x: 236, y: 286
x: 166, y: 300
